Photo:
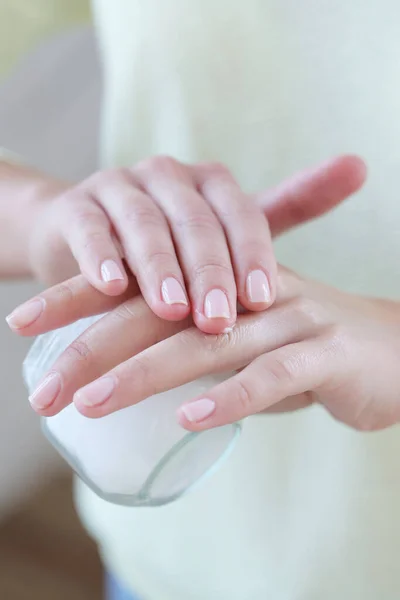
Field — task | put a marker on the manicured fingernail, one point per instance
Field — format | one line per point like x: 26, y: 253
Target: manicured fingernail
x: 97, y: 392
x: 46, y: 392
x: 216, y: 305
x: 172, y: 292
x: 26, y: 314
x: 198, y: 410
x: 257, y: 287
x: 110, y: 271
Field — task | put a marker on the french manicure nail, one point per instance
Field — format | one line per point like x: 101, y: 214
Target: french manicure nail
x: 257, y: 287
x: 172, y: 292
x: 110, y: 271
x: 26, y: 314
x: 97, y: 392
x: 198, y: 410
x: 216, y: 305
x: 46, y: 392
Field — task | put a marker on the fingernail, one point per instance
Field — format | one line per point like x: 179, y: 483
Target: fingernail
x: 97, y: 392
x: 46, y: 392
x: 216, y: 305
x: 26, y: 314
x: 172, y: 292
x: 110, y: 271
x: 198, y: 410
x: 257, y: 287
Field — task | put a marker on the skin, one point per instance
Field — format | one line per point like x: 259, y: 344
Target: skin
x: 316, y: 344
x: 155, y: 220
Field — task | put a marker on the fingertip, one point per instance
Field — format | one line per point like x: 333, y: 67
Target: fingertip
x: 171, y: 312
x: 183, y: 422
x: 358, y: 170
x: 168, y: 302
x: 113, y: 278
x: 213, y: 326
x: 90, y: 412
x: 23, y: 319
x: 259, y: 292
x: 197, y: 414
x: 255, y: 306
x: 352, y: 171
x: 112, y: 288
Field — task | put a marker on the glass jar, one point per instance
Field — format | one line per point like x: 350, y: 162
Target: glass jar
x: 138, y: 456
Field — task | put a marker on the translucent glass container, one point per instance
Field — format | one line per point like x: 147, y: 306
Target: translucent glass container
x: 138, y: 456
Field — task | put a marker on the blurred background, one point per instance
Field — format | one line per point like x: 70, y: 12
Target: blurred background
x: 49, y: 110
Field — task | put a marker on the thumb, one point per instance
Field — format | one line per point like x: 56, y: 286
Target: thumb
x: 311, y: 193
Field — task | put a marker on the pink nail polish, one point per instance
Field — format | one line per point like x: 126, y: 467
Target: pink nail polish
x: 257, y: 288
x: 110, y: 271
x: 46, y: 392
x: 97, y: 392
x: 216, y: 305
x: 197, y: 411
x: 172, y: 292
x: 26, y: 314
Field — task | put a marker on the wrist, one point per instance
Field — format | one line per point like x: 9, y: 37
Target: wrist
x: 48, y: 258
x: 24, y: 195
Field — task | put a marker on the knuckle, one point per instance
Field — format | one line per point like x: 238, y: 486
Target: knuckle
x: 243, y: 397
x: 65, y: 293
x: 288, y: 282
x: 216, y: 169
x: 125, y: 311
x: 282, y: 369
x: 144, y: 374
x: 109, y: 177
x: 161, y: 164
x: 306, y: 309
x: 204, y: 222
x: 96, y: 239
x: 86, y: 214
x: 143, y: 215
x: 247, y: 214
x: 79, y: 351
x: 214, y: 266
x: 256, y: 248
x: 160, y: 260
x: 336, y: 339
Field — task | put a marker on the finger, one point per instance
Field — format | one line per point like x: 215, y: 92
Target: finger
x: 76, y: 299
x: 187, y: 356
x: 247, y: 232
x: 146, y: 241
x: 63, y: 304
x: 291, y: 404
x: 311, y: 193
x: 288, y: 371
x: 200, y: 242
x: 88, y: 233
x: 85, y: 359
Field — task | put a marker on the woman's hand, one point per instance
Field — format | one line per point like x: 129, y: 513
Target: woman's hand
x: 299, y: 199
x: 315, y: 344
x: 194, y: 241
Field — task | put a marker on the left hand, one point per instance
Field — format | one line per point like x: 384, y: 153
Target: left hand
x: 316, y: 344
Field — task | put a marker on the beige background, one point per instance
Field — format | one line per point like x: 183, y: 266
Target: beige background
x: 49, y: 110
